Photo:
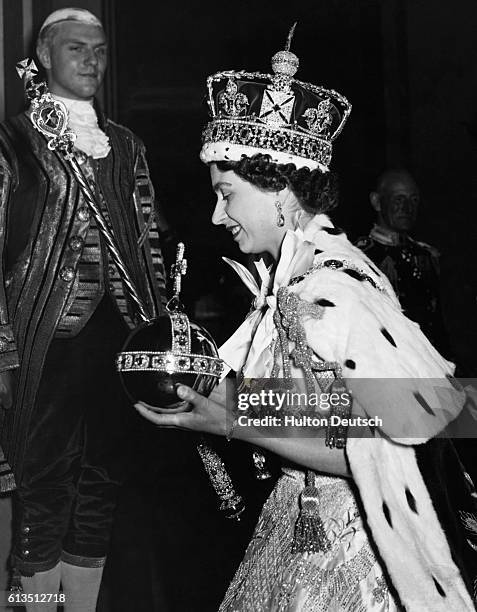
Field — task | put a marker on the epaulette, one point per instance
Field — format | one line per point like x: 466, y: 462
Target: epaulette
x: 432, y: 250
x: 364, y: 243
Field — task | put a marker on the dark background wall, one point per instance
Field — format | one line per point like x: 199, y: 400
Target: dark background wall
x: 442, y: 75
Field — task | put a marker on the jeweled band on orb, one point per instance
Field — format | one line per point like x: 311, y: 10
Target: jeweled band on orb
x: 180, y: 333
x: 154, y: 361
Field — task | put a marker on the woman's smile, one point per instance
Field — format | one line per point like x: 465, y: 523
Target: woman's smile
x: 235, y: 230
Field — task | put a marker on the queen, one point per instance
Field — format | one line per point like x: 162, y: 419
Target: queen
x: 358, y: 520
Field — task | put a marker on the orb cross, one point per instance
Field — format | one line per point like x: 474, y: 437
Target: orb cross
x: 178, y: 269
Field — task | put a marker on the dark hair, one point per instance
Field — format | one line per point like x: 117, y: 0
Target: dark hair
x: 317, y: 192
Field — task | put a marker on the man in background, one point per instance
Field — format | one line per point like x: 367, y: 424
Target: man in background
x: 64, y: 316
x: 411, y: 266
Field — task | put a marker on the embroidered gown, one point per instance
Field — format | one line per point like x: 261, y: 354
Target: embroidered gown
x: 361, y: 327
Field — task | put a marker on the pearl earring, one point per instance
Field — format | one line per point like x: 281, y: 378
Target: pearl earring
x: 280, y: 217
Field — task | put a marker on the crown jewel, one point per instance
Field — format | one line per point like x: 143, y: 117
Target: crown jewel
x: 285, y: 62
x: 252, y: 112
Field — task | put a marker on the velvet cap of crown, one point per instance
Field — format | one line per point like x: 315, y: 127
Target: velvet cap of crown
x: 274, y: 114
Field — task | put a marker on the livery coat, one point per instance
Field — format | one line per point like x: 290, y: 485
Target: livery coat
x: 39, y: 204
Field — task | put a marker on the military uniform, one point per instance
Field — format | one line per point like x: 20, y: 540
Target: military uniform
x: 413, y: 269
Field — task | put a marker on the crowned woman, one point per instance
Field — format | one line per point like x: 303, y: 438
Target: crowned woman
x: 364, y: 518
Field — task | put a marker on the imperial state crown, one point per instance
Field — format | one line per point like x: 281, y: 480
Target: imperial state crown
x: 274, y: 114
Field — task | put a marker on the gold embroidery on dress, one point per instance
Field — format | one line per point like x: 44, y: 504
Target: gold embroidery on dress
x: 271, y: 578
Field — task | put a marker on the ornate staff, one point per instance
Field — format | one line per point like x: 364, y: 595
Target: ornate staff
x: 50, y: 118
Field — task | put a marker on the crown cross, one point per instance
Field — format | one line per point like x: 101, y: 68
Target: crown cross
x: 277, y: 107
x: 319, y: 119
x: 231, y: 101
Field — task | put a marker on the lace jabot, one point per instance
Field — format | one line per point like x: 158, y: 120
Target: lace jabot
x: 83, y: 121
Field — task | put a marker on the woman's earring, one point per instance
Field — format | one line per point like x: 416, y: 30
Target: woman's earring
x: 280, y: 217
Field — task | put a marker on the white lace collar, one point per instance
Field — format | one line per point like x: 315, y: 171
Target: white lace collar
x: 83, y: 121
